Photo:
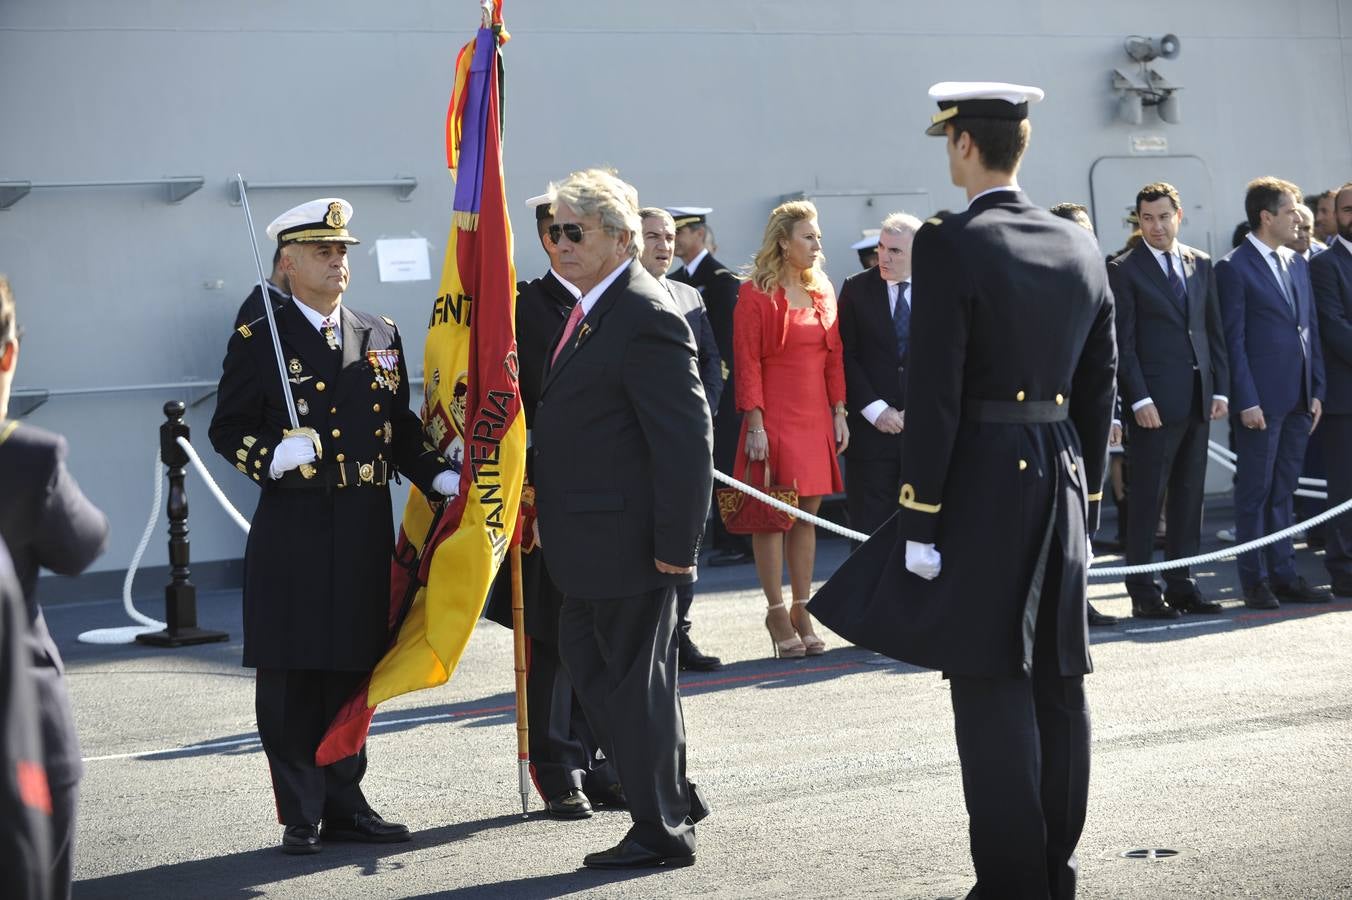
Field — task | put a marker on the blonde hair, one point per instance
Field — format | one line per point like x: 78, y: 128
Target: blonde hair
x: 767, y: 266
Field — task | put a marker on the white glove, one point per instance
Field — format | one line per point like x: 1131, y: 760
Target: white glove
x: 447, y: 483
x: 1089, y: 557
x: 922, y: 559
x: 291, y: 453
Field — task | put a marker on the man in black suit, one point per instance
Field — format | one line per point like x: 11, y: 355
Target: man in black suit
x: 622, y: 442
x: 567, y: 765
x: 659, y: 239
x: 1174, y: 377
x: 317, y: 562
x: 875, y: 317
x: 718, y: 286
x: 1331, y: 277
x: 46, y: 522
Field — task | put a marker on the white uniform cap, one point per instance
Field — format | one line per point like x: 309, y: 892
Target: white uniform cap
x: 315, y: 222
x: 689, y: 215
x: 980, y: 99
x: 871, y: 236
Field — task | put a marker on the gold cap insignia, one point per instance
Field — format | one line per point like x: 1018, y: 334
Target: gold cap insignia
x: 334, y: 218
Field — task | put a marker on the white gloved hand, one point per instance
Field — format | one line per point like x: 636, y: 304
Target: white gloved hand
x: 291, y: 453
x: 922, y: 559
x: 1089, y: 556
x: 447, y: 483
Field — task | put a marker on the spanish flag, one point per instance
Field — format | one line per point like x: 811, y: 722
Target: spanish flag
x: 448, y: 554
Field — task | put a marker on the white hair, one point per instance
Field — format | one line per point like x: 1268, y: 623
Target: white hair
x: 901, y: 223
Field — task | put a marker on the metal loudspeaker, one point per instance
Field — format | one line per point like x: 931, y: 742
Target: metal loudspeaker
x: 1144, y: 49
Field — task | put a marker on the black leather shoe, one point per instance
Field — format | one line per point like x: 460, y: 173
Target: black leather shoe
x: 629, y: 854
x: 730, y: 558
x: 299, y: 840
x: 1301, y: 591
x: 692, y: 660
x: 610, y: 796
x: 1154, y: 608
x: 1193, y: 603
x: 1342, y: 588
x: 571, y: 804
x: 364, y: 827
x: 1098, y: 619
x: 1260, y: 596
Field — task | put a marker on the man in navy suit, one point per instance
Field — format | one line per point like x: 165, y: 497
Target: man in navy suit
x: 1331, y: 276
x: 1277, y: 385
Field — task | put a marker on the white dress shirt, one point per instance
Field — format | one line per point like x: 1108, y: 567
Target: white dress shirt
x: 571, y: 288
x: 1347, y: 245
x: 317, y: 319
x: 1012, y: 186
x: 694, y: 263
x: 588, y: 300
x: 895, y: 293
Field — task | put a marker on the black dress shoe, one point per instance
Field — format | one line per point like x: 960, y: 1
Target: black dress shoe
x: 691, y: 659
x: 364, y: 827
x: 610, y: 796
x: 1098, y: 619
x: 1193, y: 603
x: 1154, y: 608
x: 301, y: 839
x: 730, y: 558
x: 1260, y: 596
x: 1342, y: 588
x: 1301, y: 591
x: 629, y: 854
x: 571, y: 804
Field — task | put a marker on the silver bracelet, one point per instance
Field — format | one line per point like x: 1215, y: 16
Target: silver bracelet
x: 755, y: 431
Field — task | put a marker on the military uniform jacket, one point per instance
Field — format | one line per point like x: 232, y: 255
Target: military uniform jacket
x: 623, y: 442
x: 317, y: 562
x: 691, y: 305
x: 718, y: 286
x: 1009, y: 400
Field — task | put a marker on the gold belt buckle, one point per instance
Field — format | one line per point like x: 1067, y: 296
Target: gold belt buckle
x: 367, y: 473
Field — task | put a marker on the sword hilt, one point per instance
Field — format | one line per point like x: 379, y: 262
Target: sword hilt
x: 307, y: 470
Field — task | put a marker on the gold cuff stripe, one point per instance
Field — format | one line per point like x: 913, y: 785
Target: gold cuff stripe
x: 909, y: 502
x: 1095, y: 498
x: 8, y: 430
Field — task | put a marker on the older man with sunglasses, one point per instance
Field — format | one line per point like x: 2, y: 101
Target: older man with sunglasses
x: 623, y: 441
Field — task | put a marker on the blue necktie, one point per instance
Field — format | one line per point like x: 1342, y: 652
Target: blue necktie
x: 901, y: 322
x: 1176, y: 283
x: 1284, y: 279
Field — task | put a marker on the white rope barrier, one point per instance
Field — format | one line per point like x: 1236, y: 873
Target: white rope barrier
x: 125, y: 634
x: 216, y: 491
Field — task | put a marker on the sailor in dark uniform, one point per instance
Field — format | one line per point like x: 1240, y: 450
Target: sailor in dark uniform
x: 569, y: 772
x: 317, y: 563
x: 251, y: 310
x: 659, y: 238
x: 1011, y: 397
x: 867, y: 248
x: 718, y: 286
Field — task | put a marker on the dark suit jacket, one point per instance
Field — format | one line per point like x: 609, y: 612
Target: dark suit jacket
x: 623, y: 441
x: 46, y: 522
x: 1331, y: 278
x: 542, y: 306
x: 1158, y: 342
x: 1274, y: 355
x: 691, y: 305
x: 872, y: 369
x: 718, y: 286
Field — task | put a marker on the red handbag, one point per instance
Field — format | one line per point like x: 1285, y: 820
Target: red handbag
x: 744, y: 514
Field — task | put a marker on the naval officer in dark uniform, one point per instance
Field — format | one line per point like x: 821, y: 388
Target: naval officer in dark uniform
x: 1012, y: 367
x: 317, y: 563
x: 568, y: 766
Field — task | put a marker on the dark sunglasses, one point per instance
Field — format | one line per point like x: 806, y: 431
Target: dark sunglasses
x: 572, y: 231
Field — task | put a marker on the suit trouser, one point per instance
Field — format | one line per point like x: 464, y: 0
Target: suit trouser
x: 61, y: 758
x: 1172, y: 459
x: 1337, y: 431
x: 871, y: 490
x: 563, y: 751
x: 1267, y: 470
x: 621, y: 654
x: 1024, y: 748
x: 294, y: 709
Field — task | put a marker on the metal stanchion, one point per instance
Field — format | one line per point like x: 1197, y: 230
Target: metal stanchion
x: 180, y: 594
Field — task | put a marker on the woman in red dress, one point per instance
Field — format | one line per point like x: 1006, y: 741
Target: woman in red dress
x: 791, y: 388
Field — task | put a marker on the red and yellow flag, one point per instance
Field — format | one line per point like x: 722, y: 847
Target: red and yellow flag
x: 471, y: 412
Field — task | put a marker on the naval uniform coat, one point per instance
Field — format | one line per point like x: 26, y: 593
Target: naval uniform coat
x: 1011, y: 322
x: 317, y: 562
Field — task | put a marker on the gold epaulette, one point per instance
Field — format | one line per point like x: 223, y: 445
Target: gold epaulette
x: 388, y: 321
x: 909, y: 502
x: 934, y: 220
x: 245, y: 331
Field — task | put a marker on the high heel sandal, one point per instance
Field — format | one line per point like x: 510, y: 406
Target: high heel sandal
x: 812, y: 645
x: 789, y: 648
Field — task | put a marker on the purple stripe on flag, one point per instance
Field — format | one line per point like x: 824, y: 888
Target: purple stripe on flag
x: 469, y: 177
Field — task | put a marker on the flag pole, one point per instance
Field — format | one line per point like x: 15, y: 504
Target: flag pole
x: 519, y: 655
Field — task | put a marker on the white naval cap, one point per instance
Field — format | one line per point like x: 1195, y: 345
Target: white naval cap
x: 689, y: 215
x: 980, y: 99
x: 869, y: 241
x: 542, y: 204
x: 318, y: 221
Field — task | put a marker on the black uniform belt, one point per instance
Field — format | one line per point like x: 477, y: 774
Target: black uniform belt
x: 1015, y: 412
x: 340, y: 474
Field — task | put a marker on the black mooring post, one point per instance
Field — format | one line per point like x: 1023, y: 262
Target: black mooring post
x: 180, y: 594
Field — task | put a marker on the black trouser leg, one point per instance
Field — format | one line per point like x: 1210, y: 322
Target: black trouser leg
x: 1338, y: 531
x: 294, y: 709
x: 871, y: 490
x: 1153, y: 453
x: 558, y: 756
x: 1183, y: 510
x: 65, y: 801
x: 621, y: 656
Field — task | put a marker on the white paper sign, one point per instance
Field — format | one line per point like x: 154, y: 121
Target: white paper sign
x: 403, y: 259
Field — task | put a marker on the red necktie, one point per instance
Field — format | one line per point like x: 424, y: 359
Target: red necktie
x: 573, y: 318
